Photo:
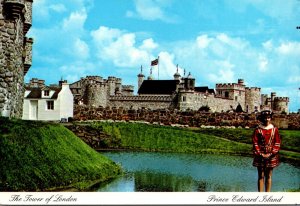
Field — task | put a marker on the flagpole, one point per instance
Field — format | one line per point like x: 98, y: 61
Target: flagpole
x: 158, y: 67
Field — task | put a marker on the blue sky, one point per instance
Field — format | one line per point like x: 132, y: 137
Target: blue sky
x: 218, y: 41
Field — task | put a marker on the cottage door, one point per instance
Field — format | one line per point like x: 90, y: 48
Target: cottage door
x: 34, y: 110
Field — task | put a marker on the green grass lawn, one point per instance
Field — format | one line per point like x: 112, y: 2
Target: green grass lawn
x: 145, y: 137
x: 37, y: 156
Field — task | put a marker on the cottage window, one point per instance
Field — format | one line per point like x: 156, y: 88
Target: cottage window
x: 50, y: 105
x: 46, y: 93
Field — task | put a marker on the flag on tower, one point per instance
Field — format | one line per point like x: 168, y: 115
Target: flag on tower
x: 154, y: 62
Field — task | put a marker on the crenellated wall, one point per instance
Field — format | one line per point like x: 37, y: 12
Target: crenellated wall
x: 15, y: 54
x: 138, y: 102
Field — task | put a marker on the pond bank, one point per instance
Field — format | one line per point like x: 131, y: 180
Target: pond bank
x: 43, y: 156
x: 144, y: 137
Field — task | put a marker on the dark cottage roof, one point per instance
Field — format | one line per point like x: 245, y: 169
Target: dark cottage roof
x: 158, y: 87
x: 204, y: 90
x: 55, y: 95
x: 36, y: 93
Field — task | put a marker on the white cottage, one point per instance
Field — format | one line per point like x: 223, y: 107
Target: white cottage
x: 47, y: 103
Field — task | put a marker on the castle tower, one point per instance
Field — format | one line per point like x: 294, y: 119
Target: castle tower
x: 96, y: 95
x: 118, y: 86
x: 15, y: 54
x: 253, y: 99
x: 234, y: 92
x: 189, y: 82
x: 141, y: 77
x: 281, y: 104
x: 273, y: 95
x: 111, y: 81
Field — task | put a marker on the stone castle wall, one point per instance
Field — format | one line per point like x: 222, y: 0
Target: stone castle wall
x: 15, y: 54
x: 187, y: 118
x: 138, y: 102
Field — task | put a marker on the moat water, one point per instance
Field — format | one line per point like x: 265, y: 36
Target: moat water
x: 161, y: 172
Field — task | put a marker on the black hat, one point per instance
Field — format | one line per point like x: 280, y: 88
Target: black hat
x: 264, y: 113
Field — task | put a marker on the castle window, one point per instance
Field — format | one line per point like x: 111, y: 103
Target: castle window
x: 226, y: 94
x: 50, y: 105
x: 184, y: 98
x: 235, y: 98
x: 46, y: 93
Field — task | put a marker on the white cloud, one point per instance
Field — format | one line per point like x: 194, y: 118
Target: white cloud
x: 152, y: 10
x: 268, y: 45
x: 262, y: 63
x: 120, y: 47
x: 148, y: 44
x: 81, y: 49
x: 203, y: 41
x: 58, y: 8
x: 289, y: 48
x: 224, y: 74
x: 75, y: 22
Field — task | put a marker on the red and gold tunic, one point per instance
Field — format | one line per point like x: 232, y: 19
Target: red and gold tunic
x: 266, y: 140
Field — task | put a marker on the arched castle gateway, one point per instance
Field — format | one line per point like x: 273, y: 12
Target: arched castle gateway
x: 179, y: 93
x: 15, y: 54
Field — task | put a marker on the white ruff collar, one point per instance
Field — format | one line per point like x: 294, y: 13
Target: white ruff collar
x: 270, y: 126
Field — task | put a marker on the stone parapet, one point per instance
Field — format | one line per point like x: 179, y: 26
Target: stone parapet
x: 27, y: 55
x: 176, y: 117
x: 13, y: 8
x: 28, y: 15
x: 142, y: 98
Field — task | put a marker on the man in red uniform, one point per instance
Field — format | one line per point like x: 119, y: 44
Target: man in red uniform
x: 266, y: 144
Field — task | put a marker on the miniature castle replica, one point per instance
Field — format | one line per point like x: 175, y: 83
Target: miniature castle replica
x: 15, y: 54
x: 53, y: 102
x: 179, y: 93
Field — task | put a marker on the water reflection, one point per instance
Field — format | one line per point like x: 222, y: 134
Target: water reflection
x: 165, y: 172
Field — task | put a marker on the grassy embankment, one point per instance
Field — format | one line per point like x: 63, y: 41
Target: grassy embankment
x: 168, y: 139
x: 37, y: 156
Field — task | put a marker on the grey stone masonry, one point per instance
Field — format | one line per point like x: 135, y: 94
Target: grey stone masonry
x: 15, y: 54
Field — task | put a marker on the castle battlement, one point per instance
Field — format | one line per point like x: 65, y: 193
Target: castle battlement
x: 112, y: 78
x: 97, y: 85
x: 230, y: 86
x: 150, y: 98
x: 127, y: 87
x: 118, y: 80
x: 282, y: 99
x: 95, y: 78
x: 254, y: 89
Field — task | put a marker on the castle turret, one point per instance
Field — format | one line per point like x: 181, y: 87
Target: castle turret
x: 15, y: 54
x: 118, y: 86
x: 253, y: 99
x: 177, y: 76
x: 189, y: 82
x: 281, y: 104
x: 241, y: 82
x: 150, y: 77
x: 141, y: 77
x: 273, y: 95
x: 96, y: 95
x: 111, y: 86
